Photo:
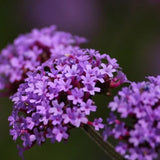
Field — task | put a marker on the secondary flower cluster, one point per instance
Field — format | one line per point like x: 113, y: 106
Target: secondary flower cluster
x: 29, y: 51
x: 57, y: 96
x: 135, y: 120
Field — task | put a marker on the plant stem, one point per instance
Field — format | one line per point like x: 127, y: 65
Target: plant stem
x: 105, y: 146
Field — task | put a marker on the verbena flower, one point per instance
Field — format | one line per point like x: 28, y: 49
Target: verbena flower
x: 29, y: 51
x: 57, y: 96
x: 136, y: 120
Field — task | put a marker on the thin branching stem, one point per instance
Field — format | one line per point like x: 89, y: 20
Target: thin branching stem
x: 105, y: 146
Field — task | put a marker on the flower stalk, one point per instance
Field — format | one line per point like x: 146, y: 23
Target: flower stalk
x: 105, y: 146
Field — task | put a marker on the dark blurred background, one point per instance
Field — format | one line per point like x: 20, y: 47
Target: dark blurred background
x: 128, y: 30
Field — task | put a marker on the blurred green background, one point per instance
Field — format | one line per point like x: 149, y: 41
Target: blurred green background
x: 128, y: 30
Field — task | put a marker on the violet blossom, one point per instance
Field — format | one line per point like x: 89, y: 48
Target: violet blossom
x: 135, y: 120
x: 57, y: 96
x: 29, y: 51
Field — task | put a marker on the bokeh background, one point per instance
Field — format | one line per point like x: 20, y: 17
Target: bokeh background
x: 128, y: 30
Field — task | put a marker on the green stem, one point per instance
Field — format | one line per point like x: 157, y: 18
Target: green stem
x: 105, y: 146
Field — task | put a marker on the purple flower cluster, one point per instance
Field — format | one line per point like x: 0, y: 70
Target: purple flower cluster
x: 135, y: 120
x: 29, y: 51
x: 57, y: 96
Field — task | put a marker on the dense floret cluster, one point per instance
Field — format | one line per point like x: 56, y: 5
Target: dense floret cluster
x: 29, y: 51
x: 135, y: 120
x: 57, y: 96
